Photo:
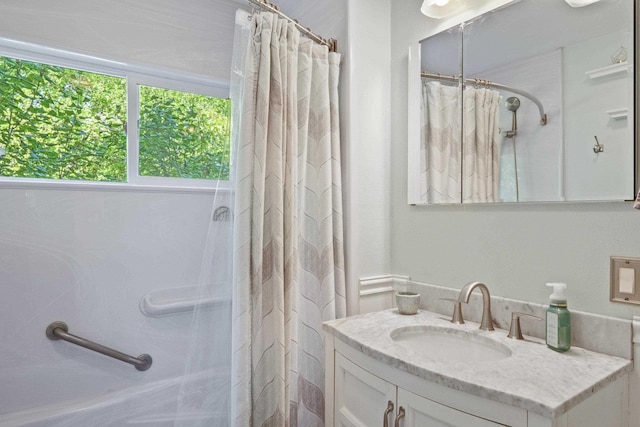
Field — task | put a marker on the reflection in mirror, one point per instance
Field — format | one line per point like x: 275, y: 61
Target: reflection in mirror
x: 440, y: 120
x: 547, y: 106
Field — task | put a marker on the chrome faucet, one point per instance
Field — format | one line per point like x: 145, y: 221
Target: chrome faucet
x: 463, y: 297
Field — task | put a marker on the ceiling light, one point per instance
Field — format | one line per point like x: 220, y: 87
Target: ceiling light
x: 439, y: 9
x: 580, y: 3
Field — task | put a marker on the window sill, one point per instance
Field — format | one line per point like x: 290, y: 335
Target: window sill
x: 49, y: 184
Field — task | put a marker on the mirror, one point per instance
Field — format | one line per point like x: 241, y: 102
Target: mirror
x: 532, y: 102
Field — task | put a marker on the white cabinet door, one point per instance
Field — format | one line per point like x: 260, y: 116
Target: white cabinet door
x: 361, y: 398
x: 420, y: 412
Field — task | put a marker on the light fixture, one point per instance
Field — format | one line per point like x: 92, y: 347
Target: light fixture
x: 439, y: 9
x: 580, y: 3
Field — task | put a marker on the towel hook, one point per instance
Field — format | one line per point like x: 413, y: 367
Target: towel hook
x: 598, y: 148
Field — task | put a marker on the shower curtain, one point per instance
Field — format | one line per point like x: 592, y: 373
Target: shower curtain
x: 480, y: 169
x: 447, y: 156
x: 440, y: 143
x: 288, y: 248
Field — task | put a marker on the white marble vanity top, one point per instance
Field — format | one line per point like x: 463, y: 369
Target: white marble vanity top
x: 534, y: 377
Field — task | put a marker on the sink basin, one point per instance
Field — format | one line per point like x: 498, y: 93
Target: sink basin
x: 449, y: 344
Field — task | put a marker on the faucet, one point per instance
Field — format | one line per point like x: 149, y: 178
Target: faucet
x: 463, y: 297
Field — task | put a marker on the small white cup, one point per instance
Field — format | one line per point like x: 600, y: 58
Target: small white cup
x: 407, y: 302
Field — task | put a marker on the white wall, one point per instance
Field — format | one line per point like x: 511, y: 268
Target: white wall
x: 590, y: 175
x: 515, y: 249
x: 368, y: 142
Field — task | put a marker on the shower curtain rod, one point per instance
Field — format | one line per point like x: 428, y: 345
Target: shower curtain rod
x: 331, y: 43
x: 487, y: 83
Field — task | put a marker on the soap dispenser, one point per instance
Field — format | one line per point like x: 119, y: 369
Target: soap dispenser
x: 558, y: 319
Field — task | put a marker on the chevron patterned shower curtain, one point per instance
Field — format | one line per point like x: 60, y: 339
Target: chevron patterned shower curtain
x: 480, y: 152
x: 289, y: 262
x: 441, y: 146
x: 456, y: 165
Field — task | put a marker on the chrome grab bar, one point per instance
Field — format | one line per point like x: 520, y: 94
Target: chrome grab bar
x: 59, y: 331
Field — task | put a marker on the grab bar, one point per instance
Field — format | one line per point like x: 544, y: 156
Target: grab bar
x: 185, y: 299
x: 59, y: 331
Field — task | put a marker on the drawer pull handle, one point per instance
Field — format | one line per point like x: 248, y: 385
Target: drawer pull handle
x: 399, y: 416
x: 389, y: 409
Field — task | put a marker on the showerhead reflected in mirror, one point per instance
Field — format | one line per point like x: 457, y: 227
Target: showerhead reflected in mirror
x: 513, y: 103
x: 479, y: 145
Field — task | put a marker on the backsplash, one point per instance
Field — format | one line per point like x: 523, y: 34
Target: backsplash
x: 603, y: 334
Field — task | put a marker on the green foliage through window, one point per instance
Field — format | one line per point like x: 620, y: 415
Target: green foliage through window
x: 61, y: 123
x: 183, y: 135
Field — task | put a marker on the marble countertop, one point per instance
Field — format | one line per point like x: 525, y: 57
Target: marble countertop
x: 534, y: 377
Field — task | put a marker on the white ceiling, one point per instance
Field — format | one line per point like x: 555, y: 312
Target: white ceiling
x: 186, y: 35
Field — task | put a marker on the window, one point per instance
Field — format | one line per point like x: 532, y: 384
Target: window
x: 61, y: 123
x: 183, y: 135
x: 71, y: 121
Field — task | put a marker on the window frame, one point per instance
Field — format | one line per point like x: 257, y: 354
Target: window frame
x: 134, y: 75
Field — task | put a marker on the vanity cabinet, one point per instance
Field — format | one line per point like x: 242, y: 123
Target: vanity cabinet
x: 363, y: 391
x: 364, y: 399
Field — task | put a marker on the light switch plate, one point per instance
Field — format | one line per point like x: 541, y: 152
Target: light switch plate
x: 625, y: 280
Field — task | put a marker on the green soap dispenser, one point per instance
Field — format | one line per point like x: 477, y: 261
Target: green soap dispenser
x: 558, y: 319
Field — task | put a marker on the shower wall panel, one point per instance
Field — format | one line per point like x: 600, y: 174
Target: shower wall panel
x: 596, y: 176
x: 539, y: 148
x: 87, y: 258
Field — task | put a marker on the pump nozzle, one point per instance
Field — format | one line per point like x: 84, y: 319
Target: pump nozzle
x: 558, y: 293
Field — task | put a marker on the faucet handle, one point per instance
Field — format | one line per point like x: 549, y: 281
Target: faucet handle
x: 514, y: 329
x: 457, y: 310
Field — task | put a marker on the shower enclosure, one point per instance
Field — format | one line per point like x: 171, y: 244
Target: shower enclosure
x: 120, y: 268
x: 121, y: 265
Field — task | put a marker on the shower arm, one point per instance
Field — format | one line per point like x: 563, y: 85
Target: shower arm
x: 487, y: 83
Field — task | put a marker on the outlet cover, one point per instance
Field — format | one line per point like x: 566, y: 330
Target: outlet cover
x: 625, y: 280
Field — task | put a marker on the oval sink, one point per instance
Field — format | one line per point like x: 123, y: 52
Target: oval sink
x: 449, y: 344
